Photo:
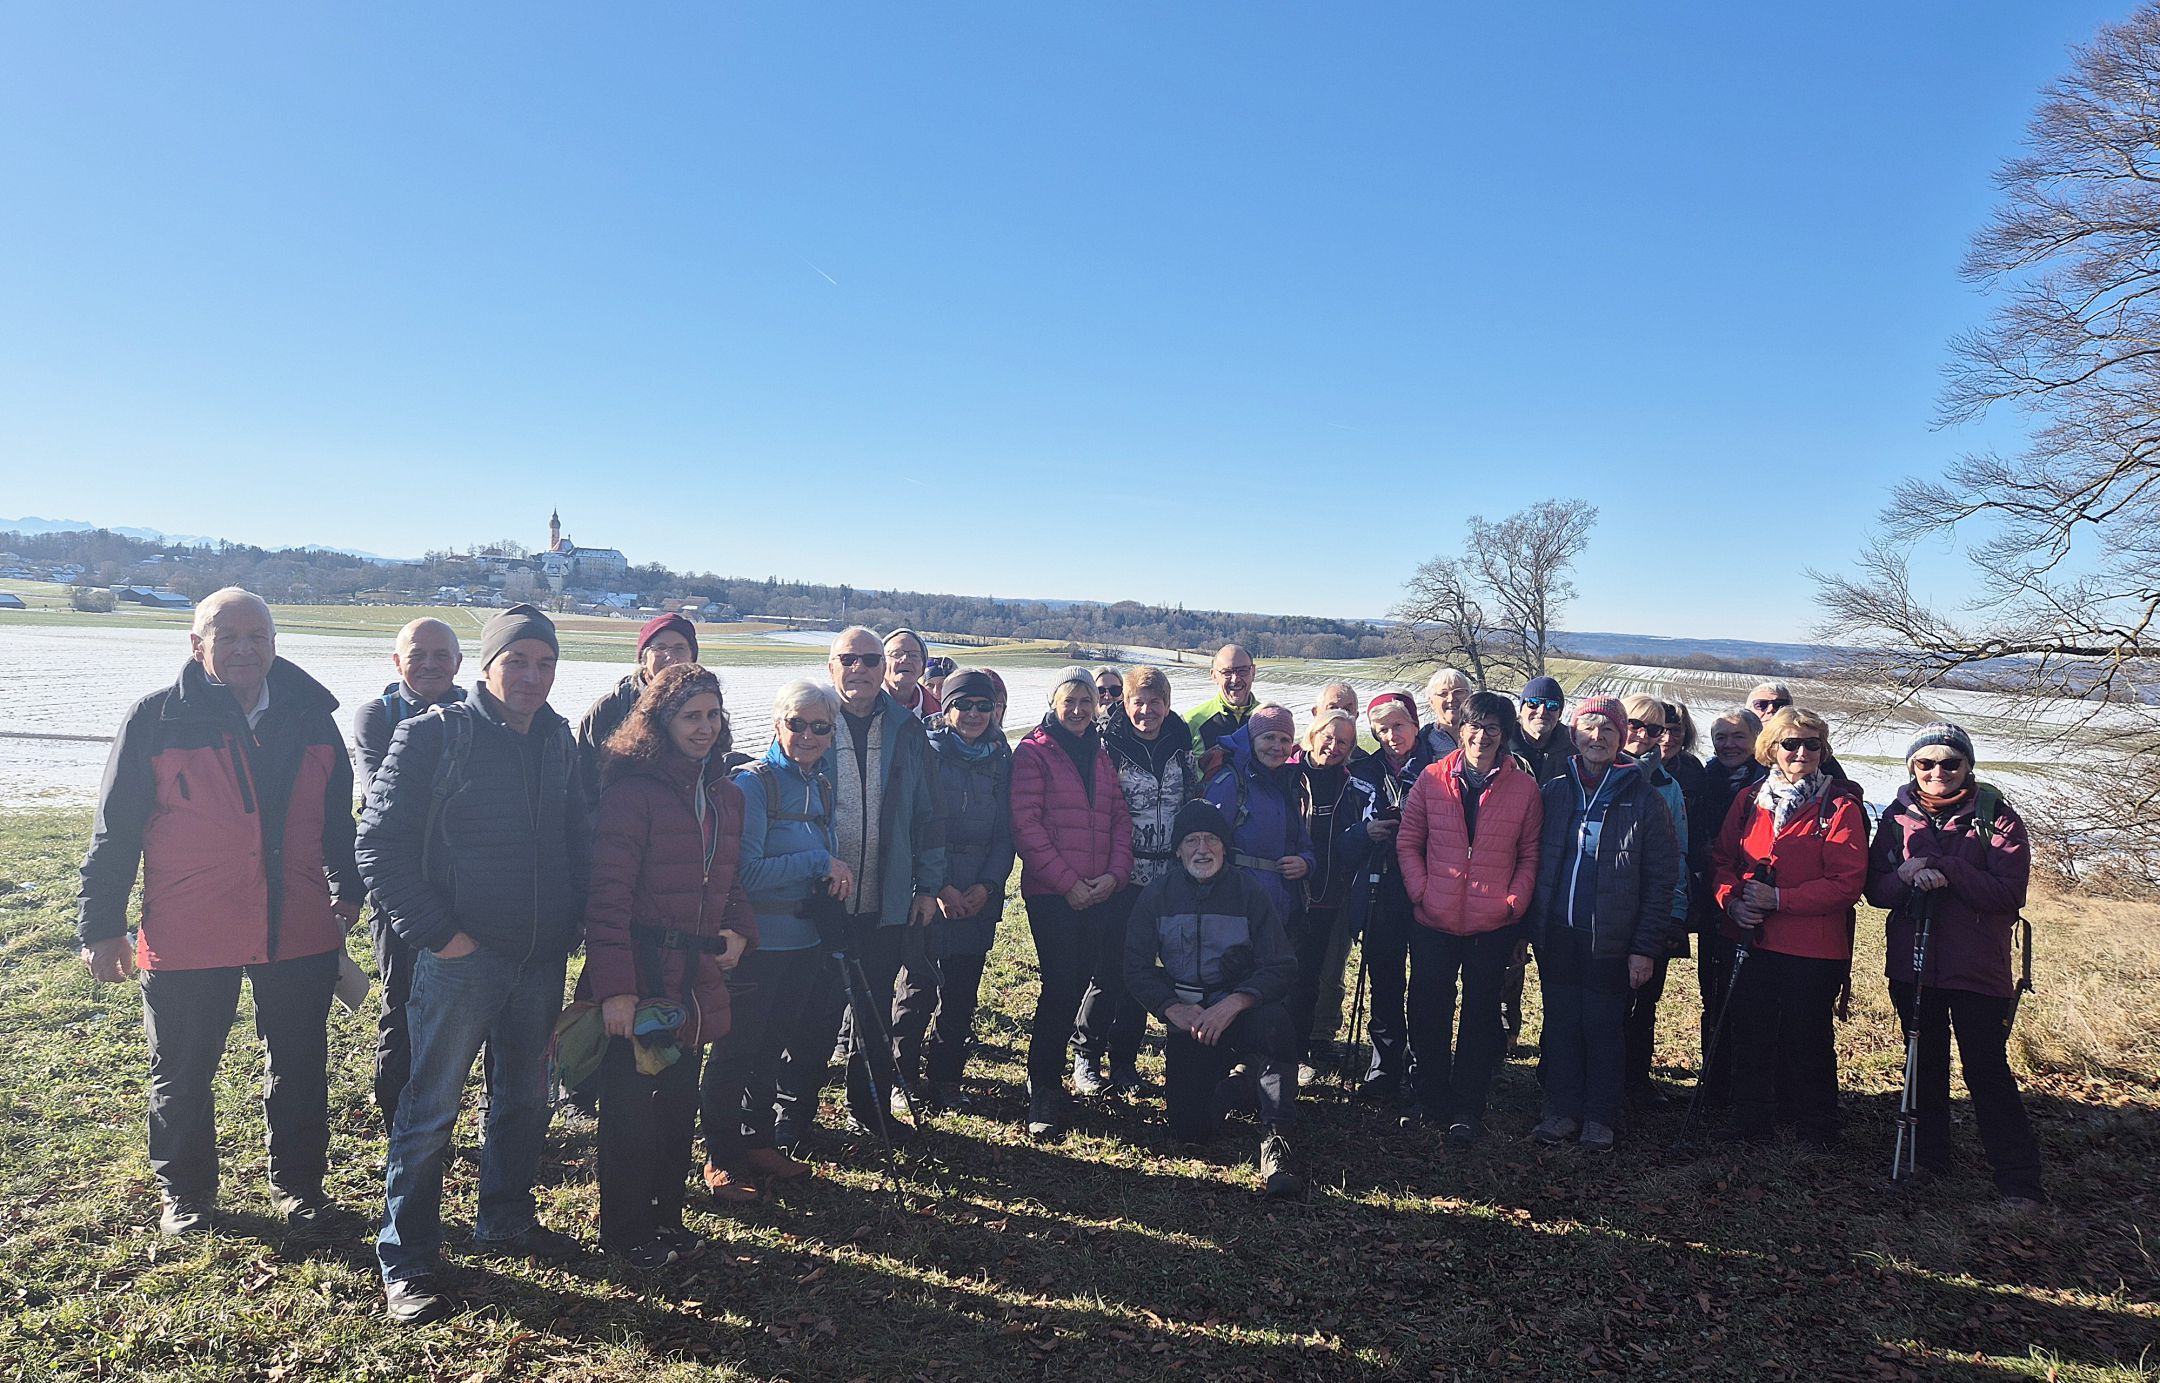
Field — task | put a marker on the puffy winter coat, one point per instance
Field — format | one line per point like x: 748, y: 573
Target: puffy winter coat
x: 1066, y: 831
x: 1157, y: 776
x: 379, y: 717
x: 787, y: 842
x: 1193, y: 942
x: 1668, y: 787
x: 974, y: 798
x: 1464, y: 883
x: 508, y: 874
x: 1820, y: 863
x: 1266, y: 811
x: 243, y: 837
x: 1970, y: 935
x: 1621, y: 894
x: 658, y: 903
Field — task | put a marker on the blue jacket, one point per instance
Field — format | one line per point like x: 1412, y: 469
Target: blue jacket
x: 781, y: 857
x: 911, y: 840
x: 1668, y: 787
x: 1267, y: 819
x: 975, y: 803
x: 1371, y: 865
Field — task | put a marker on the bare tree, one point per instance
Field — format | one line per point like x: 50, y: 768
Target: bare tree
x: 1492, y: 610
x: 2063, y: 537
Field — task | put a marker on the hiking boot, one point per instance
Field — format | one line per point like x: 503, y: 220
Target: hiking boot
x: 771, y: 1164
x: 316, y: 1216
x: 415, y: 1302
x: 1046, y: 1115
x: 1125, y: 1077
x: 1278, y: 1172
x: 534, y: 1241
x: 1597, y: 1137
x: 1556, y: 1128
x: 1087, y: 1076
x: 181, y: 1216
x: 1238, y: 1092
x: 655, y: 1252
x: 1460, y: 1136
x: 787, y: 1135
x: 687, y: 1243
x: 730, y: 1185
x: 1381, y: 1090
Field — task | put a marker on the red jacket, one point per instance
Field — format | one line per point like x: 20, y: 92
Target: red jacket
x: 1820, y: 865
x: 649, y: 877
x: 242, y: 836
x: 1462, y: 885
x: 1061, y: 832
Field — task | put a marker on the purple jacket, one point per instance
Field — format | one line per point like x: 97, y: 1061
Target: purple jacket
x: 1970, y: 940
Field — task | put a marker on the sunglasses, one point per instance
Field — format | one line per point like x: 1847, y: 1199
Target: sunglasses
x: 1108, y: 689
x: 1648, y: 731
x: 1540, y: 703
x: 809, y: 727
x: 1949, y: 765
x: 1812, y: 744
x: 1768, y: 707
x: 975, y: 705
x: 859, y: 659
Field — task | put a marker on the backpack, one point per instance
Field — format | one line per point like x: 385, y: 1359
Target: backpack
x: 762, y: 770
x: 1988, y: 802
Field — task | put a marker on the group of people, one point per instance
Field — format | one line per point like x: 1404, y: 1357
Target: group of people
x: 750, y: 921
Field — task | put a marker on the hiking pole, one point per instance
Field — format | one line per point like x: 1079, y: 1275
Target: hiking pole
x: 1905, y: 1154
x: 1350, y: 1037
x: 1742, y: 949
x: 857, y: 985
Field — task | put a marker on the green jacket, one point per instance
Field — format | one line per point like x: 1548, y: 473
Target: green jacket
x: 1215, y: 720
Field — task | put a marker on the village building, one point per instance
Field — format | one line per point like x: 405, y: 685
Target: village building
x: 569, y: 567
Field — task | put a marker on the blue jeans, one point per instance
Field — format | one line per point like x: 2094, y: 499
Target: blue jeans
x: 455, y: 1006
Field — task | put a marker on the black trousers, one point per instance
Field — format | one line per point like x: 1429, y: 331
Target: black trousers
x: 1640, y: 1027
x: 1784, y: 1035
x: 1581, y: 1050
x: 187, y: 1015
x: 1713, y: 975
x: 1310, y: 933
x: 1068, y: 948
x: 1264, y: 1035
x: 1453, y: 1087
x: 1111, y: 1023
x: 768, y: 994
x: 1388, y: 924
x: 1982, y: 1024
x: 646, y: 1124
x: 829, y: 1028
x: 934, y: 1013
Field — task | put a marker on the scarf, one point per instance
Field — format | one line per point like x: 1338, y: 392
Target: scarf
x: 974, y: 753
x: 1079, y: 748
x: 856, y: 812
x: 1939, y: 808
x: 1782, y: 799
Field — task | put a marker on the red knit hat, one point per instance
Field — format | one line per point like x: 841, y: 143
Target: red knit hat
x: 661, y: 624
x: 1408, y: 703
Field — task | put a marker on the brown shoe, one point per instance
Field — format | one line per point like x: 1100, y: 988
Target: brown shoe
x: 775, y: 1165
x: 729, y: 1187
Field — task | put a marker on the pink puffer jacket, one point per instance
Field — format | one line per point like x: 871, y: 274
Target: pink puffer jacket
x: 1457, y: 885
x: 1062, y: 835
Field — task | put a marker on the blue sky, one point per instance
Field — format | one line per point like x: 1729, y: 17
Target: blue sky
x: 1242, y: 305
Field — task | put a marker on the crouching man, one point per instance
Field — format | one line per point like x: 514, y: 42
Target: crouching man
x: 1205, y: 951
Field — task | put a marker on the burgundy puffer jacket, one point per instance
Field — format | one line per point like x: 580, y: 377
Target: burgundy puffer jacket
x: 1063, y: 836
x: 649, y: 876
x: 1970, y: 938
x: 1467, y: 886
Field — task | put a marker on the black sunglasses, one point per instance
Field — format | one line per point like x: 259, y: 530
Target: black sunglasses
x: 809, y: 727
x: 1812, y: 743
x: 859, y: 659
x: 975, y: 705
x: 1647, y: 729
x: 1768, y: 707
x: 1949, y: 765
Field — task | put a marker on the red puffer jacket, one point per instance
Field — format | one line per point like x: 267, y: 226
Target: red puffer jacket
x: 1819, y: 863
x: 1461, y: 885
x: 650, y: 878
x: 1062, y: 835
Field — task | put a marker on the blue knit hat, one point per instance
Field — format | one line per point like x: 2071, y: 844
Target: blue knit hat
x: 1949, y: 736
x: 1543, y: 689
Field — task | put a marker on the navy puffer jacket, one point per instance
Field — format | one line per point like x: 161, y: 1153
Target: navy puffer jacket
x: 974, y: 797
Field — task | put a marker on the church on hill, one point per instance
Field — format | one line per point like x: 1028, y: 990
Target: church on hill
x: 570, y: 567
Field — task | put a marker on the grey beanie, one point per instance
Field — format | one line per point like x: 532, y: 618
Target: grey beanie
x: 1071, y: 674
x: 508, y: 626
x: 1949, y: 736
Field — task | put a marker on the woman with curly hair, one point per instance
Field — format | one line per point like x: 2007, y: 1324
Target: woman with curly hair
x: 665, y: 920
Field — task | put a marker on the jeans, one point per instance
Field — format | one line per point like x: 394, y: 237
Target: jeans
x: 645, y: 1129
x: 186, y: 1017
x: 1640, y: 1028
x: 1582, y: 1047
x: 934, y: 1014
x: 1264, y: 1033
x: 1982, y: 1023
x: 1111, y: 1022
x: 1068, y: 947
x: 1454, y: 1091
x: 1387, y: 967
x: 767, y: 995
x: 456, y: 1005
x: 1783, y: 1031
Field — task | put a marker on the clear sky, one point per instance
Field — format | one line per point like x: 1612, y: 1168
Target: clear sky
x: 1239, y: 305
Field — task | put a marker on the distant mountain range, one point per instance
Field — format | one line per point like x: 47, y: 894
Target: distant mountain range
x: 34, y: 524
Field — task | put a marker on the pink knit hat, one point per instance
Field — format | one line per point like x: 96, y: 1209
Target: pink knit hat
x: 1271, y: 718
x: 1606, y: 706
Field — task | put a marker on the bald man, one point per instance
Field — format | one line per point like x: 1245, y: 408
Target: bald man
x: 427, y: 659
x: 1218, y: 718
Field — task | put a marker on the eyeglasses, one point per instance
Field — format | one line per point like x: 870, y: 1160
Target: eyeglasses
x: 1241, y: 670
x: 1540, y: 703
x: 1812, y: 744
x: 809, y: 727
x: 859, y: 659
x: 1949, y: 765
x: 1482, y: 727
x: 1647, y: 730
x: 975, y: 705
x: 1768, y: 707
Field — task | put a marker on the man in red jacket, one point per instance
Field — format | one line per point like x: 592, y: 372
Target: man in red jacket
x: 230, y: 791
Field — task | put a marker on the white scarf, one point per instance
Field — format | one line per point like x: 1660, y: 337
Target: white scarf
x: 1781, y: 798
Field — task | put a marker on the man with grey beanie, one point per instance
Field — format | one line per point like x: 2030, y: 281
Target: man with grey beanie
x: 476, y: 840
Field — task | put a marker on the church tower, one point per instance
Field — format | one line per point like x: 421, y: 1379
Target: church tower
x: 555, y: 531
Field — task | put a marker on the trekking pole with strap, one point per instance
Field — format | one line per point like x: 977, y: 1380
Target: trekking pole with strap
x: 861, y: 1006
x: 1904, y: 1155
x: 1766, y: 874
x: 1352, y: 1069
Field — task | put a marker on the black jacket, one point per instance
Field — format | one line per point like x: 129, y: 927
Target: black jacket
x: 602, y: 719
x: 1626, y: 901
x: 378, y: 718
x: 1546, y: 761
x: 507, y: 860
x: 1208, y: 940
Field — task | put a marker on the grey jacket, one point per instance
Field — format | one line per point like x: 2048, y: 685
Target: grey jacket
x: 1190, y: 942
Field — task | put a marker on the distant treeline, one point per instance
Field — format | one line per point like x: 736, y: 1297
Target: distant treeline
x: 1696, y: 662
x: 295, y: 576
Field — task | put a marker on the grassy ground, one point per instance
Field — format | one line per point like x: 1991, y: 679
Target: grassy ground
x: 1112, y: 1255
